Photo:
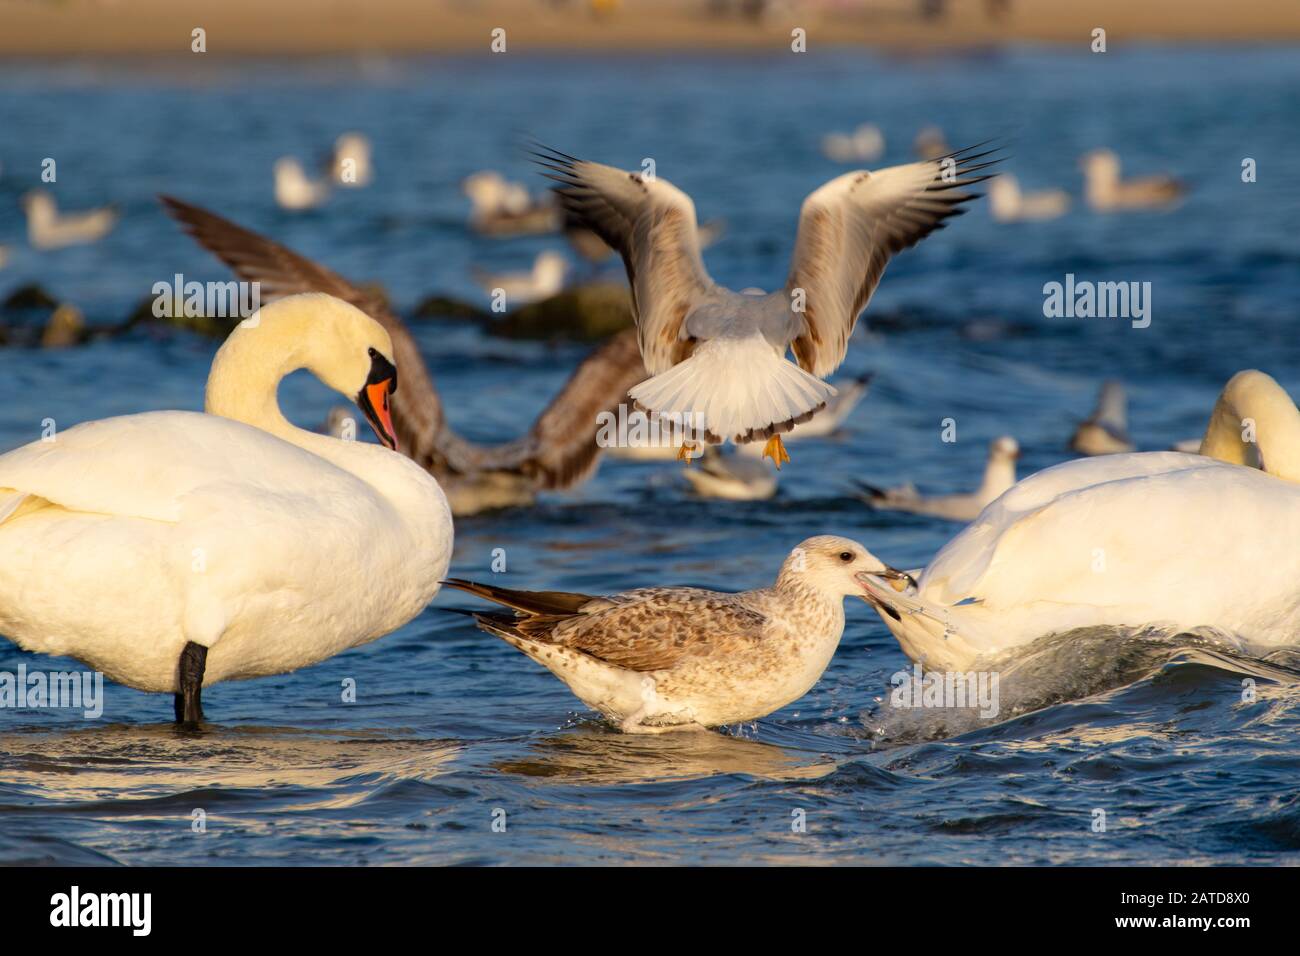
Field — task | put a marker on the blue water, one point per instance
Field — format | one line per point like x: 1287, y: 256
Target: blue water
x: 451, y: 726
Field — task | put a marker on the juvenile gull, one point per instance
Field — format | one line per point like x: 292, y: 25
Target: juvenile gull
x: 675, y: 658
x: 717, y: 357
x: 999, y: 475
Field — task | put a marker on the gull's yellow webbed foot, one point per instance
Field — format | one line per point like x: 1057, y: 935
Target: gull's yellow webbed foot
x: 775, y: 450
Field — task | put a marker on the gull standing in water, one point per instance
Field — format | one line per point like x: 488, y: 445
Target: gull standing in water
x: 1105, y: 432
x: 717, y: 357
x: 676, y: 658
x: 999, y: 475
x: 731, y: 477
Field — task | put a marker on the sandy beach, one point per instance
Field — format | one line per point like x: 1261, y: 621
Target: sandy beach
x: 297, y: 27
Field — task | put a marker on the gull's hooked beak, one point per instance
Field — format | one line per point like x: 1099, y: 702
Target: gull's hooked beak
x: 373, y: 399
x: 898, y: 580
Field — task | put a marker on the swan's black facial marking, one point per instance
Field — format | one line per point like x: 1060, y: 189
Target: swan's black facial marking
x: 380, y: 370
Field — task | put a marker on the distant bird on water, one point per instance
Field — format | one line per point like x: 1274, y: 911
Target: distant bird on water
x: 717, y: 357
x: 999, y: 475
x: 1105, y: 432
x: 47, y: 228
x: 1106, y: 191
x: 542, y: 281
x: 294, y: 190
x: 1008, y: 204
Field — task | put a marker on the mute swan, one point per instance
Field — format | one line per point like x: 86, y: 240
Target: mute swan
x: 999, y: 475
x: 1149, y: 538
x: 1008, y: 204
x: 1105, y: 432
x: 559, y: 450
x: 47, y: 228
x: 731, y: 477
x: 1107, y: 192
x: 293, y: 190
x: 717, y: 358
x: 173, y: 550
x: 542, y: 281
x: 674, y: 658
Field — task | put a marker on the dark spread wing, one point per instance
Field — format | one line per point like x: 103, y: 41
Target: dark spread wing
x: 416, y: 407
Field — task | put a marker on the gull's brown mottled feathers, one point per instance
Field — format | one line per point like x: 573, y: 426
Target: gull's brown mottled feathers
x: 649, y: 629
x: 560, y: 449
x: 416, y: 408
x: 851, y: 227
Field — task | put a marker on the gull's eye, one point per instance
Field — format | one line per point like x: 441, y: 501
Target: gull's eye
x: 846, y: 556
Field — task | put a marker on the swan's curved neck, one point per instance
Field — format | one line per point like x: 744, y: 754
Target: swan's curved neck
x: 1255, y: 423
x: 245, y: 378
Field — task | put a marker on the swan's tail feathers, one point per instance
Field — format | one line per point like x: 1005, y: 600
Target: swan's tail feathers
x: 737, y: 389
x: 936, y: 635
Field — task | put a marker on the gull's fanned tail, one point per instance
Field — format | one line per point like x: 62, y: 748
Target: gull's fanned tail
x: 737, y: 389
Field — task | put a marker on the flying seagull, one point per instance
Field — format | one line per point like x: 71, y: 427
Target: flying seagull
x: 558, y: 451
x: 717, y: 358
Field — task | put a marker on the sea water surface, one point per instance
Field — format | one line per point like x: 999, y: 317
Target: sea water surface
x: 452, y: 731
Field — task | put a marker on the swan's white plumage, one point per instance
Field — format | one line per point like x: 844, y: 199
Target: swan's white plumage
x: 122, y: 539
x: 1162, y: 539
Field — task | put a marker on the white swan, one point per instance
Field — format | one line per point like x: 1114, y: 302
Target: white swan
x: 1007, y: 203
x: 1107, y: 192
x: 999, y: 475
x: 1151, y: 538
x: 1105, y: 431
x: 170, y: 550
x: 294, y: 190
x: 47, y: 228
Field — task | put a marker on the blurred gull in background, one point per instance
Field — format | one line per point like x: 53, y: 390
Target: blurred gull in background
x: 1105, y: 431
x: 350, y: 167
x: 864, y: 144
x: 1008, y: 204
x: 730, y: 476
x: 999, y: 475
x: 294, y: 190
x: 1107, y: 192
x: 47, y: 228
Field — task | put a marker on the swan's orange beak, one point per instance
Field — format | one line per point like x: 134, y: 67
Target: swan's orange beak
x: 378, y: 411
x: 373, y: 398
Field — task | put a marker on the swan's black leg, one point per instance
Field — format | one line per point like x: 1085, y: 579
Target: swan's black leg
x: 189, y: 706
